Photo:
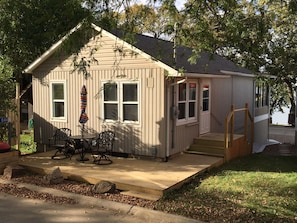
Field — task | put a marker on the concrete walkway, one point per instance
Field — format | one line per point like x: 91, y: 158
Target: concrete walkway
x: 88, y: 209
x: 282, y: 134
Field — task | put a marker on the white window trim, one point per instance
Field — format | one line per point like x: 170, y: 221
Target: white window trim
x: 59, y: 119
x: 188, y: 119
x: 120, y: 101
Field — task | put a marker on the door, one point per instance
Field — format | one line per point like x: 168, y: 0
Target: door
x: 205, y: 106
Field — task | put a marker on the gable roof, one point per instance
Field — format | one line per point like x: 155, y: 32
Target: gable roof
x: 205, y: 64
x: 161, y: 52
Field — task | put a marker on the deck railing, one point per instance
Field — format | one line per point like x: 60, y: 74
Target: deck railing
x: 229, y: 136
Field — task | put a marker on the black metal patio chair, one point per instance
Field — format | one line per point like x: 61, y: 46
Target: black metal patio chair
x: 62, y: 143
x: 102, y: 146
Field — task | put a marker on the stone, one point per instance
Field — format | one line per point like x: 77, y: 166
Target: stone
x: 55, y: 177
x: 13, y: 171
x: 103, y: 187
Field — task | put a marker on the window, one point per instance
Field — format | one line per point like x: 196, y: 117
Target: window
x: 261, y: 95
x: 58, y: 100
x: 205, y: 98
x: 187, y: 101
x: 121, y: 102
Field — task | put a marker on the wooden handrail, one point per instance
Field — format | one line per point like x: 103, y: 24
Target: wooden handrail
x: 230, y: 120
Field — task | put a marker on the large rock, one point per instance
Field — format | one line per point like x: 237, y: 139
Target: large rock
x: 13, y: 171
x: 103, y: 187
x: 55, y: 177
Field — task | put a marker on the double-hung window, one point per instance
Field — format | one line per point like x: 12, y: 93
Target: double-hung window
x: 121, y: 101
x: 187, y: 101
x: 58, y: 100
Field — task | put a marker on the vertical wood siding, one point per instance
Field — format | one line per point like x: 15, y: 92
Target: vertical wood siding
x: 137, y: 139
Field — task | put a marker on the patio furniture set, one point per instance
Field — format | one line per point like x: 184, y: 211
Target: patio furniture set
x: 99, y: 145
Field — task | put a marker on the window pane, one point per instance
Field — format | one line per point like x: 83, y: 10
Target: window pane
x: 205, y: 100
x: 58, y: 109
x: 111, y: 111
x: 182, y: 110
x: 58, y: 91
x: 182, y: 92
x: 110, y: 92
x: 205, y: 92
x: 130, y: 112
x: 130, y: 92
x: 205, y: 104
x: 192, y: 109
x: 192, y: 91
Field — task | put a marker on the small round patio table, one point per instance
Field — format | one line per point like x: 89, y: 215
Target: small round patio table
x: 83, y: 143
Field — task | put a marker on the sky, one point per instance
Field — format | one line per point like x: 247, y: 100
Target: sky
x: 179, y: 3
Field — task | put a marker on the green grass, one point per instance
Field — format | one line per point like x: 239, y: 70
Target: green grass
x: 27, y: 144
x: 257, y: 188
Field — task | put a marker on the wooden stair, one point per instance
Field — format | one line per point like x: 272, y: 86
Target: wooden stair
x: 210, y: 144
x: 213, y: 144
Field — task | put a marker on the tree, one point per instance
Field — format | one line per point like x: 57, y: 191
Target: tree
x: 282, y: 56
x: 7, y: 93
x: 157, y: 21
x: 29, y: 27
x: 7, y: 86
x: 259, y: 35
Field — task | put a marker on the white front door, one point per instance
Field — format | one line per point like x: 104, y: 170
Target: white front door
x: 204, y: 106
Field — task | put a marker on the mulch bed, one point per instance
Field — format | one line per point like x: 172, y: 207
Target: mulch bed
x: 284, y: 149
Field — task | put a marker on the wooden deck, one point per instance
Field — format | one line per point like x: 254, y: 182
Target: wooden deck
x: 148, y: 179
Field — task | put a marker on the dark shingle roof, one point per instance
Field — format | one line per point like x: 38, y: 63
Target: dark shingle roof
x: 206, y: 64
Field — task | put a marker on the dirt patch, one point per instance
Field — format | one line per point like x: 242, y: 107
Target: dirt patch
x: 69, y: 186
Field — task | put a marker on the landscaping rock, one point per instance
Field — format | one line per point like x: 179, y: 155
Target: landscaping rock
x: 103, y: 187
x: 55, y: 177
x: 13, y: 171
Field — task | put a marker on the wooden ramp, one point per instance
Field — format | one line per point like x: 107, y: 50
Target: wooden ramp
x: 148, y: 179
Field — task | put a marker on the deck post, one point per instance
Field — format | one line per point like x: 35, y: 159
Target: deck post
x: 226, y: 134
x: 246, y: 113
x: 232, y: 125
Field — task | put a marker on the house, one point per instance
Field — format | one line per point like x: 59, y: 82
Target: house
x: 148, y: 93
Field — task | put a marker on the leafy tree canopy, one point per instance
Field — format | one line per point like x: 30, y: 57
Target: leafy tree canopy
x: 29, y: 27
x: 7, y: 86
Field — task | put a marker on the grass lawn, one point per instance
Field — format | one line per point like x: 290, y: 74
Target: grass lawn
x: 27, y: 144
x: 257, y: 188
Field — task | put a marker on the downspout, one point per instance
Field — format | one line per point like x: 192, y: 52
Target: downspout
x: 170, y: 103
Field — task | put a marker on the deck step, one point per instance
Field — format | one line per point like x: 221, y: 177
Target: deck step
x: 207, y: 149
x: 211, y: 144
x: 137, y: 194
x: 204, y: 153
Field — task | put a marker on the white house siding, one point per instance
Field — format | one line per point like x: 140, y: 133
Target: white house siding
x: 220, y: 103
x: 235, y: 91
x: 184, y: 136
x: 243, y: 92
x: 181, y: 136
x: 139, y: 139
x: 261, y: 124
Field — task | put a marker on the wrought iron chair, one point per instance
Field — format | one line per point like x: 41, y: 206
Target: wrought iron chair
x: 62, y: 143
x: 102, y: 146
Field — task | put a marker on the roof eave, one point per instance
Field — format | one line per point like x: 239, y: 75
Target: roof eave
x: 201, y: 75
x: 49, y: 52
x: 235, y: 73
